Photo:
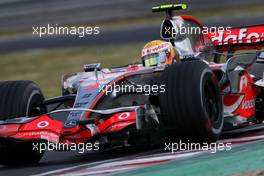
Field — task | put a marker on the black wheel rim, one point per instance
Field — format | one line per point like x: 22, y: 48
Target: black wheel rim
x: 211, y: 103
x: 36, y: 107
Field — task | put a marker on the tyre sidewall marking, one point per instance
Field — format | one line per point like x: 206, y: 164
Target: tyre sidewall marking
x: 203, y: 76
x: 35, y: 92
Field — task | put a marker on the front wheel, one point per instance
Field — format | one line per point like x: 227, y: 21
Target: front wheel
x: 191, y: 107
x: 19, y: 99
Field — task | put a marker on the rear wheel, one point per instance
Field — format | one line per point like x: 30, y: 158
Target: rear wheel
x: 19, y: 99
x: 191, y: 107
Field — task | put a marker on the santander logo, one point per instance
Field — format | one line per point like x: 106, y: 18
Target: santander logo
x: 155, y: 49
x: 243, y: 35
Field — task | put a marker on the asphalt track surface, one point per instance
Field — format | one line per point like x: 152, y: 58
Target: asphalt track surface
x: 119, y: 160
x: 132, y: 34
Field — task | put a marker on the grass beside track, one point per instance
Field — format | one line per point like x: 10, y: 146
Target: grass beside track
x: 45, y: 67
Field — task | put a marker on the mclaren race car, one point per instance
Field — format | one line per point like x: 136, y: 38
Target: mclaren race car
x: 213, y: 89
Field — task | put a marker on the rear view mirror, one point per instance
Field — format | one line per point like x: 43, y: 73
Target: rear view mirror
x: 171, y: 29
x: 168, y: 31
x: 92, y: 67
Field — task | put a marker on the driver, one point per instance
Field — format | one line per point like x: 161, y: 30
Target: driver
x: 158, y: 52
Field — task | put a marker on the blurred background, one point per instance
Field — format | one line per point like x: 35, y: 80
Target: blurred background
x: 125, y: 26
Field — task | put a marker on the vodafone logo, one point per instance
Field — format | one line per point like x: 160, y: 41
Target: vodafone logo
x: 248, y: 104
x: 243, y: 35
x: 43, y: 124
x: 124, y: 115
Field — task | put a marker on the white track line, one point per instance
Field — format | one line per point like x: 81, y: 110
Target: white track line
x: 119, y: 164
x: 132, y: 162
x: 260, y: 137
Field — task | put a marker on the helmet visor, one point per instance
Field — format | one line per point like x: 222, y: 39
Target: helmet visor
x: 155, y: 59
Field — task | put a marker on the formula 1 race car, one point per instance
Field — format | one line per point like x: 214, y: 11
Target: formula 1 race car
x: 197, y: 99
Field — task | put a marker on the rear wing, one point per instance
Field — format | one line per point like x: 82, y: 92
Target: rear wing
x: 239, y: 38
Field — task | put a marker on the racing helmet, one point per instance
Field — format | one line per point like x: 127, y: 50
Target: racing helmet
x: 158, y: 52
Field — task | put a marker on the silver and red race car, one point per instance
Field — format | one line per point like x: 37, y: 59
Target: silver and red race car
x: 197, y: 99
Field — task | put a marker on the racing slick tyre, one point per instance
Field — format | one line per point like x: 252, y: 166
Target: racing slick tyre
x: 191, y: 107
x: 19, y: 99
